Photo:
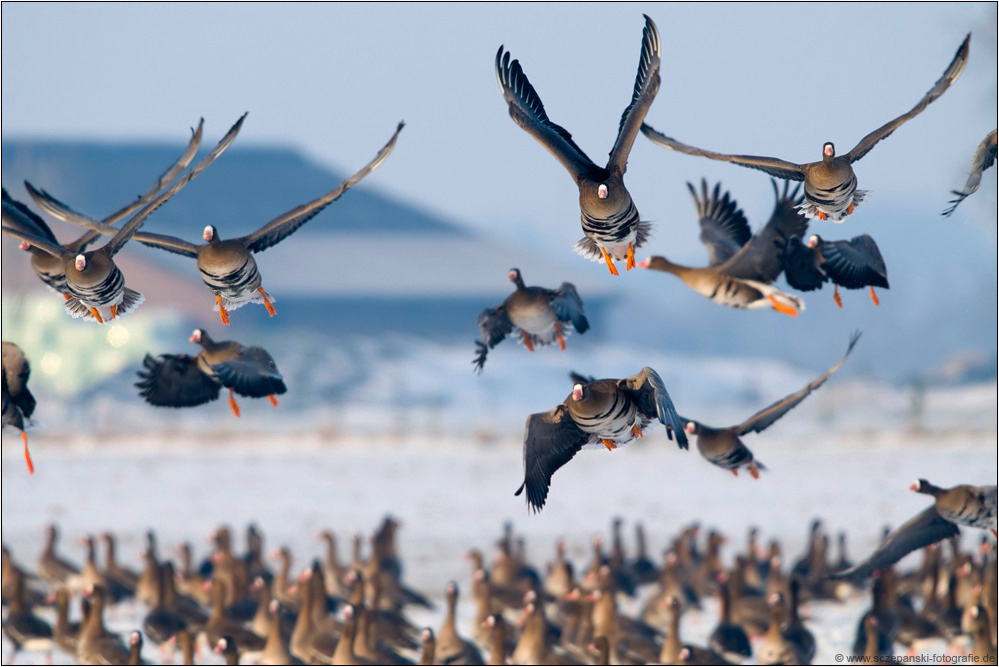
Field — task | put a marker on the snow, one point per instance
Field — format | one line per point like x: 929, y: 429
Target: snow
x: 453, y: 493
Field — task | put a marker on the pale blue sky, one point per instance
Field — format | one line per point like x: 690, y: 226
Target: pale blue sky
x: 333, y: 79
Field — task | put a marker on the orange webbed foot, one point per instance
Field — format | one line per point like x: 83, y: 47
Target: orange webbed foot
x: 874, y: 297
x: 781, y: 308
x: 753, y: 470
x: 849, y: 209
x: 820, y: 215
x: 609, y: 444
x: 114, y: 311
x: 267, y: 304
x: 67, y: 297
x: 558, y: 333
x: 635, y: 431
x: 836, y: 297
x: 273, y: 399
x: 631, y: 258
x: 97, y: 315
x: 223, y: 313
x: 610, y: 262
x: 527, y: 343
x: 735, y: 473
x: 232, y: 402
x: 27, y: 454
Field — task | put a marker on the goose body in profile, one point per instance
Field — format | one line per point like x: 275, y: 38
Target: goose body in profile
x: 852, y: 264
x: 985, y: 157
x: 180, y: 380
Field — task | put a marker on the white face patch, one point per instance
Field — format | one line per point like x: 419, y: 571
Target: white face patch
x: 602, y: 191
x: 209, y: 233
x: 813, y: 241
x: 689, y: 428
x: 196, y: 336
x: 577, y: 392
x: 24, y: 245
x: 512, y: 276
x: 81, y: 262
x: 828, y: 149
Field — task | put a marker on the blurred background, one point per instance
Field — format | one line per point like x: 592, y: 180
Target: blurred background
x: 378, y: 296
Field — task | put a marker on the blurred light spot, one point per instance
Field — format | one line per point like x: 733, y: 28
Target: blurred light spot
x: 117, y: 335
x: 51, y: 363
x: 46, y: 310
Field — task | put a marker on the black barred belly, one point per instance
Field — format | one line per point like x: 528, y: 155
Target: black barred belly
x: 108, y: 292
x: 235, y: 283
x: 55, y: 281
x: 836, y: 198
x: 612, y: 230
x: 733, y: 459
x: 614, y: 423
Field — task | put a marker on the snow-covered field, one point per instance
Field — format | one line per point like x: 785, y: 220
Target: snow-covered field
x: 453, y: 493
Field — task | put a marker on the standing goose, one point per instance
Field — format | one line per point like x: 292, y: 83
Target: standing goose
x: 724, y: 447
x: 227, y: 266
x: 742, y: 266
x: 51, y: 270
x: 93, y: 279
x: 610, y: 412
x: 537, y: 313
x: 18, y: 402
x: 963, y: 504
x: 451, y: 648
x: 21, y: 626
x: 830, y: 184
x: 985, y: 157
x: 611, y: 224
x: 852, y: 264
x: 180, y: 380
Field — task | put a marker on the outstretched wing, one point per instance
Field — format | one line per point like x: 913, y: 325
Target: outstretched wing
x: 550, y: 441
x: 985, y: 157
x: 773, y: 166
x: 251, y: 373
x: 39, y: 242
x: 649, y: 393
x: 724, y: 228
x: 174, y: 380
x: 646, y: 87
x: 768, y: 415
x: 569, y: 307
x: 129, y: 228
x: 924, y: 529
x: 17, y: 215
x: 67, y: 214
x: 855, y: 263
x: 802, y: 267
x: 528, y: 111
x: 494, y: 326
x: 762, y: 257
x: 286, y: 223
x: 939, y: 88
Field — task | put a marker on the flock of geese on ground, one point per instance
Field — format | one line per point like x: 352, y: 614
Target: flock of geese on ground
x: 355, y: 613
x: 599, y: 413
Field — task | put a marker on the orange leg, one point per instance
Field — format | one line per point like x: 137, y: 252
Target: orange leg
x: 753, y: 470
x: 114, y: 311
x: 27, y: 454
x: 735, y: 473
x: 273, y: 399
x: 631, y: 258
x: 781, y: 308
x: 839, y: 301
x: 635, y: 431
x: 820, y: 215
x: 97, y: 316
x: 610, y: 262
x: 874, y: 297
x: 232, y: 402
x: 558, y: 332
x: 849, y: 209
x: 223, y: 313
x: 267, y: 304
x: 609, y: 444
x: 528, y: 344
